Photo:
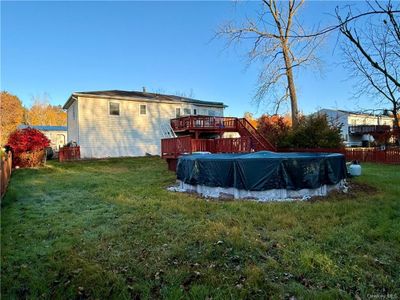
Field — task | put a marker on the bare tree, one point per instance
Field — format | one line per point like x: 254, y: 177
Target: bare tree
x: 183, y: 94
x: 280, y: 43
x: 372, y: 53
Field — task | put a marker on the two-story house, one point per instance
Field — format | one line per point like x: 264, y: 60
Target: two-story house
x: 127, y: 123
x: 358, y: 129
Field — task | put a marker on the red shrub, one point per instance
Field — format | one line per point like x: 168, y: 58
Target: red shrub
x: 28, y: 147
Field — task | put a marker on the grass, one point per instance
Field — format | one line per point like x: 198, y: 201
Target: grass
x: 109, y: 229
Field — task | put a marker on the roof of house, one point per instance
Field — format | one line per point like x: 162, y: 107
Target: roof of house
x: 356, y: 112
x: 44, y: 127
x: 135, y: 95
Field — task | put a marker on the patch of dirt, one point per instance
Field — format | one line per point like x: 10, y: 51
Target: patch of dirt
x: 355, y: 189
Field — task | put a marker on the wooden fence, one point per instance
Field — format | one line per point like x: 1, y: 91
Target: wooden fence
x: 388, y: 156
x: 376, y: 155
x: 5, y: 169
x: 314, y: 150
x: 69, y: 153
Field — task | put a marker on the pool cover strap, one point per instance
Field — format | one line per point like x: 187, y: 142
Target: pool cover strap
x: 263, y: 170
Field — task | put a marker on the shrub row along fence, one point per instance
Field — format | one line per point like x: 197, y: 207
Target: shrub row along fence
x: 5, y: 169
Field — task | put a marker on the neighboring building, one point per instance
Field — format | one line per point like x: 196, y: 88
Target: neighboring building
x: 127, y: 123
x: 56, y: 134
x: 358, y: 129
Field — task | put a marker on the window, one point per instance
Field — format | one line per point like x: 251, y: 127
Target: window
x: 211, y: 113
x: 73, y: 112
x: 194, y: 111
x: 187, y: 111
x: 143, y: 109
x: 177, y: 112
x: 114, y: 109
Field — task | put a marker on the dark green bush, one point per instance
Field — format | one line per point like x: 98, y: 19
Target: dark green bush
x: 312, y: 132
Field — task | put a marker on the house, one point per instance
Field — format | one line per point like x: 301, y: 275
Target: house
x: 127, y: 123
x: 358, y: 129
x: 58, y: 135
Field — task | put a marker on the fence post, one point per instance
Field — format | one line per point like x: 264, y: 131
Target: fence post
x: 5, y: 169
x: 2, y: 176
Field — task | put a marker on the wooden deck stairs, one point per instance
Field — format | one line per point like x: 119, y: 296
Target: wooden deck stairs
x: 205, y: 133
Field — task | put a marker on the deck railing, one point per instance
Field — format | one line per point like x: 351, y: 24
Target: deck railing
x: 261, y: 143
x: 203, y: 122
x: 203, y: 145
x: 368, y: 129
x: 174, y: 147
x: 233, y: 145
x: 223, y: 124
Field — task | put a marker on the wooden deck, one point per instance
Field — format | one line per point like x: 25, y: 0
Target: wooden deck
x: 191, y: 127
x: 174, y: 147
x: 204, y: 123
x: 200, y: 124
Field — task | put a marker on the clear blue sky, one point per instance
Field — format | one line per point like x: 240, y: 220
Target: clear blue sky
x: 61, y: 47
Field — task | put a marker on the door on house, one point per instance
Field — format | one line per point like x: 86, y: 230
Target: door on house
x: 60, y: 141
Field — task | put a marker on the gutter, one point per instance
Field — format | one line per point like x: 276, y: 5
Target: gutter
x: 72, y: 97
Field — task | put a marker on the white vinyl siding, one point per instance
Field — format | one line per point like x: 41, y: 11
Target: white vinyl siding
x: 72, y: 122
x: 102, y: 135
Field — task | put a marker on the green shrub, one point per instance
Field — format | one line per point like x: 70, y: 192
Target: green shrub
x: 312, y: 132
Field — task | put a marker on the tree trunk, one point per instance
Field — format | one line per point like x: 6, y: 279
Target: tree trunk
x: 291, y: 86
x: 396, y: 125
x: 395, y: 112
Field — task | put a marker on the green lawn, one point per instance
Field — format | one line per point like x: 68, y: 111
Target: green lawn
x: 110, y: 229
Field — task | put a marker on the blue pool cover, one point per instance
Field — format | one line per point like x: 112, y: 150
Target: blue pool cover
x: 262, y: 170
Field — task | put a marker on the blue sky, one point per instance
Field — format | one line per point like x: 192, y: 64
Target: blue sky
x: 56, y: 48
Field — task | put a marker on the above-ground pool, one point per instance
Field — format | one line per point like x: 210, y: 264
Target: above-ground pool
x: 262, y: 175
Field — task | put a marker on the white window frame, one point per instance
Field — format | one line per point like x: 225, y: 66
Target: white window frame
x: 119, y: 108
x: 140, y: 110
x: 190, y: 111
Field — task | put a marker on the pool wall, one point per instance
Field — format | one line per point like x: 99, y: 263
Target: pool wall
x: 267, y: 195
